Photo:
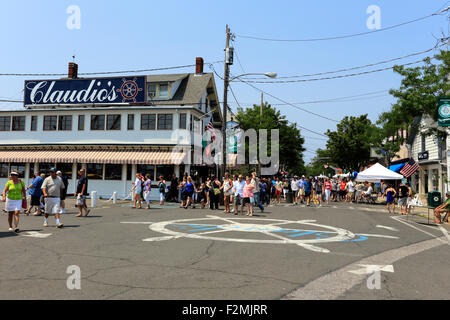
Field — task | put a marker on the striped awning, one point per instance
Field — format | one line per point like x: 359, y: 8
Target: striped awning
x: 93, y: 156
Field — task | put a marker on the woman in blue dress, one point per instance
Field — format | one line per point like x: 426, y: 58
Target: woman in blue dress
x: 390, y: 195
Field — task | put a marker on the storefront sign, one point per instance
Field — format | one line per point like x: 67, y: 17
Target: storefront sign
x: 423, y: 155
x: 85, y: 91
x: 444, y: 112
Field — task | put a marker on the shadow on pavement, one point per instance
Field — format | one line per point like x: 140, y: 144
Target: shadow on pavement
x: 7, y: 234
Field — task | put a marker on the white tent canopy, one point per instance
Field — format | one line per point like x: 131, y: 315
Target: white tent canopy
x: 376, y: 173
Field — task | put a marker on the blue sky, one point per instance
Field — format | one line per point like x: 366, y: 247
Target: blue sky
x: 145, y: 34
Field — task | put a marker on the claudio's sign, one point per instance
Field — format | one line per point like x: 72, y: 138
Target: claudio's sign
x: 118, y: 90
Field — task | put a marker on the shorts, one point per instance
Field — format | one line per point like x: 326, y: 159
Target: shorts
x: 319, y: 192
x: 189, y: 193
x: 63, y: 195
x: 13, y: 205
x: 162, y: 197
x: 246, y: 200
x: 278, y: 192
x: 307, y: 194
x: 402, y: 202
x: 35, y: 201
x: 350, y: 194
x: 137, y: 191
x: 237, y: 200
x: 52, y: 205
x: 301, y: 192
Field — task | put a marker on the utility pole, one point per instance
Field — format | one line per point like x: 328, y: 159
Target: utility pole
x: 260, y: 124
x: 228, y: 62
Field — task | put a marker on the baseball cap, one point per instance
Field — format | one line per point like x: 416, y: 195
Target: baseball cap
x: 58, y: 172
x: 53, y: 170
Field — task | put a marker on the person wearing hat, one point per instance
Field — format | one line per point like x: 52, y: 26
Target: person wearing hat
x: 14, y: 194
x: 445, y: 207
x: 52, y: 189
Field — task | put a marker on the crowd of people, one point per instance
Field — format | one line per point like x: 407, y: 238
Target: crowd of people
x: 238, y: 192
x: 47, y: 194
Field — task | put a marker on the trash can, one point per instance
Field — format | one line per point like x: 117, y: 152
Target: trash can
x: 289, y: 197
x: 434, y: 199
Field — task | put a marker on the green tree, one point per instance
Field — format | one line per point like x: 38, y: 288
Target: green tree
x: 317, y: 165
x: 291, y: 142
x: 418, y: 94
x: 349, y: 146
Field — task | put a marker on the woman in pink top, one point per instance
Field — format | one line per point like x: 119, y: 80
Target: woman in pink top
x: 248, y: 196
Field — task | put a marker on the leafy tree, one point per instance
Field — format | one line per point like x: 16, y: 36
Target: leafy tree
x: 349, y: 146
x: 418, y: 94
x: 316, y: 167
x: 291, y: 142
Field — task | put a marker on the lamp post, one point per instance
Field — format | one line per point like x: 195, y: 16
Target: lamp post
x: 225, y: 106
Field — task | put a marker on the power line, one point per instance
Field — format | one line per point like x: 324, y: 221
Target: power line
x: 104, y: 72
x: 352, y: 68
x: 335, y: 77
x: 346, y: 36
x: 308, y: 111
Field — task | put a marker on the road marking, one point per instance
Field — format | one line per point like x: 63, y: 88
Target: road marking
x: 306, y: 238
x: 408, y: 224
x: 35, y: 234
x: 371, y: 268
x: 445, y: 233
x: 334, y: 284
x: 377, y: 235
x: 389, y: 228
x: 130, y: 222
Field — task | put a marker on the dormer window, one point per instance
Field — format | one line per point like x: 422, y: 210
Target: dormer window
x: 158, y: 91
x: 164, y: 90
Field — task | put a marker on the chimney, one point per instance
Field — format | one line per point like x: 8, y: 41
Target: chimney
x: 73, y: 70
x: 199, y: 65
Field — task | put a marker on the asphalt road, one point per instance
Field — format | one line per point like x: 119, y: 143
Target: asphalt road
x: 286, y: 252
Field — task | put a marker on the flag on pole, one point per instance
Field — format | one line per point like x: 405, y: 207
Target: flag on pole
x: 210, y: 128
x: 409, y: 168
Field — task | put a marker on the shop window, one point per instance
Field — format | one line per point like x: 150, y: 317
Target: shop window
x: 65, y: 123
x: 97, y: 122
x: 113, y: 172
x: 65, y: 168
x: 165, y: 121
x: 129, y: 172
x: 148, y: 122
x: 45, y: 168
x: 81, y: 122
x: 5, y: 123
x: 50, y: 123
x: 94, y: 171
x: 113, y: 122
x: 19, y: 167
x: 4, y: 170
x: 33, y: 126
x: 146, y: 169
x: 164, y: 170
x: 18, y: 123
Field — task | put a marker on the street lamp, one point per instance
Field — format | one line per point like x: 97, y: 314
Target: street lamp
x: 225, y: 99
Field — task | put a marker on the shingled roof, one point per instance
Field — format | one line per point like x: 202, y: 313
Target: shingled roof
x: 189, y: 92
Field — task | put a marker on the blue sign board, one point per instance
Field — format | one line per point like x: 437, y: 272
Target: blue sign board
x: 85, y: 91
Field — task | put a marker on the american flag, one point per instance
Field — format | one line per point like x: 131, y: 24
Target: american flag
x: 409, y: 168
x: 210, y: 127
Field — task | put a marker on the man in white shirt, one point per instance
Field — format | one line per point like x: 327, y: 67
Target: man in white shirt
x: 294, y: 188
x: 238, y: 188
x: 351, y: 191
x: 52, y: 188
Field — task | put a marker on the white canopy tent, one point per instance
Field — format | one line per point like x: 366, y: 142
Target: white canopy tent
x: 376, y: 173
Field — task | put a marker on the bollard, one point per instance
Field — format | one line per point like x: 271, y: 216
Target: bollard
x: 94, y: 199
x: 114, y: 197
